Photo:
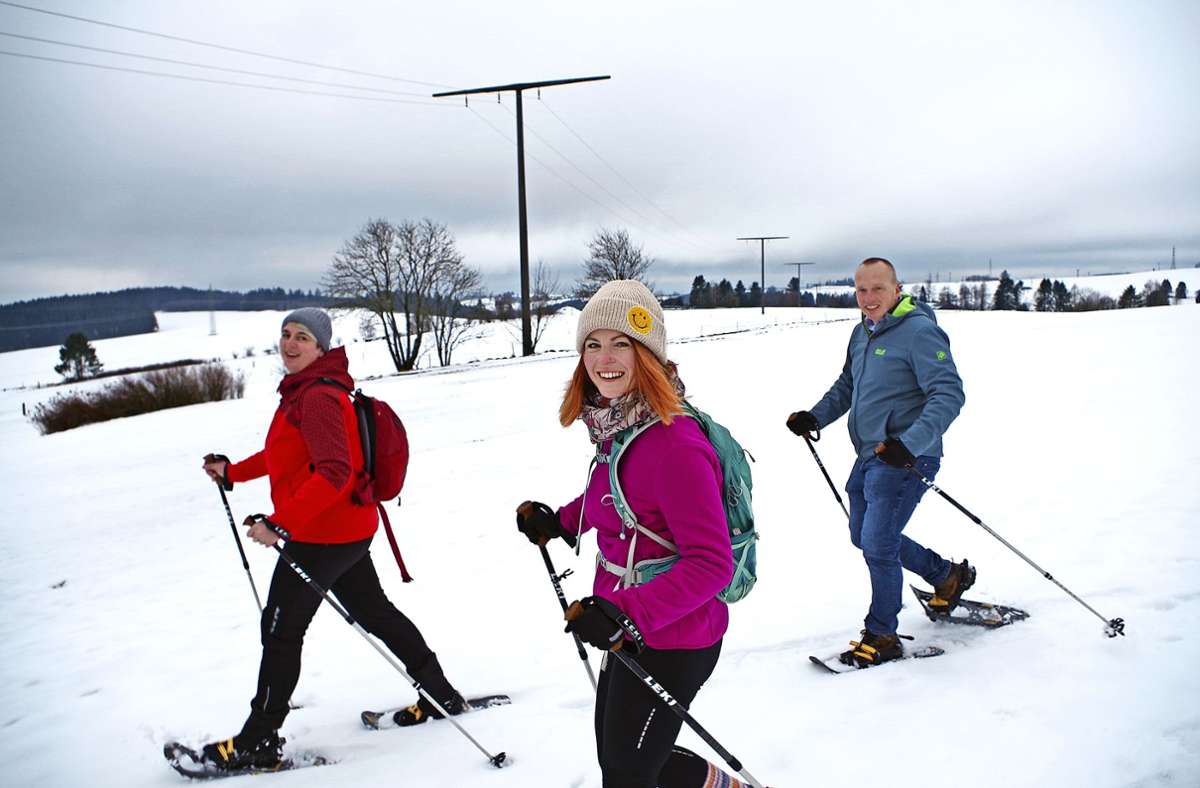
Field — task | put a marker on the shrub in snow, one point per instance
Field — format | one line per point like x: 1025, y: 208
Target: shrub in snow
x: 158, y: 390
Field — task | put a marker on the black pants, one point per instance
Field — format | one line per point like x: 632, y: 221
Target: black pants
x: 345, y: 570
x: 635, y: 731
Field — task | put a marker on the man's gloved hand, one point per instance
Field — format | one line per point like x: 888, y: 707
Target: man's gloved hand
x: 602, y: 624
x: 895, y: 453
x: 217, y: 468
x: 803, y: 422
x: 538, y: 522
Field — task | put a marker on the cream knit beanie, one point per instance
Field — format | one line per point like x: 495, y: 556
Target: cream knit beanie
x: 628, y: 306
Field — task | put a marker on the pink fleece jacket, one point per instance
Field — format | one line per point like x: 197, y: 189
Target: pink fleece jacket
x: 672, y: 482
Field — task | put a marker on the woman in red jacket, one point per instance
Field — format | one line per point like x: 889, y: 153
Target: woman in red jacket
x: 312, y: 452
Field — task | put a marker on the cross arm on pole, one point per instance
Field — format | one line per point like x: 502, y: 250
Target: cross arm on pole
x: 520, y: 86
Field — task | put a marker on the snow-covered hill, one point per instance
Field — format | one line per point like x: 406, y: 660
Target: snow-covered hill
x: 127, y: 618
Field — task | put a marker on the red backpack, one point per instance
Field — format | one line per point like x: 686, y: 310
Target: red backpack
x: 385, y: 459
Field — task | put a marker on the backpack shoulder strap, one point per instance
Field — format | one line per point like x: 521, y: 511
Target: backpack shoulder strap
x: 628, y: 518
x: 337, y: 383
x: 616, y: 450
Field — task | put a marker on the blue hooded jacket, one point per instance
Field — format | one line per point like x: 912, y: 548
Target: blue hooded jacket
x: 899, y: 381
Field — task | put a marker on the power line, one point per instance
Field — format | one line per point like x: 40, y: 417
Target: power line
x: 218, y: 46
x: 614, y: 170
x: 217, y: 81
x: 599, y: 185
x: 607, y: 208
x: 546, y: 166
x: 210, y: 67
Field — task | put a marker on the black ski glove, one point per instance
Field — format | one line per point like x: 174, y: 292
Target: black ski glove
x: 803, y: 422
x: 895, y: 453
x: 539, y: 523
x: 224, y: 480
x: 602, y: 624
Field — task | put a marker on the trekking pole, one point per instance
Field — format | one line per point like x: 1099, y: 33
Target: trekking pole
x: 562, y: 600
x: 684, y: 715
x: 1112, y: 626
x: 821, y: 465
x: 658, y: 689
x: 237, y: 540
x: 495, y: 760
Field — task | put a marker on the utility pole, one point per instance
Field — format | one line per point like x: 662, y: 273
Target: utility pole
x: 762, y: 261
x: 518, y: 88
x: 798, y: 265
x: 1172, y: 258
x: 212, y: 316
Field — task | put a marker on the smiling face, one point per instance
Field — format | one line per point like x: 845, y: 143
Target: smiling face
x: 876, y: 289
x: 297, y: 347
x: 609, y: 358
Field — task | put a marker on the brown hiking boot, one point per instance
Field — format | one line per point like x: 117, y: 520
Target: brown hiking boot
x: 872, y: 650
x: 423, y: 710
x: 947, y: 593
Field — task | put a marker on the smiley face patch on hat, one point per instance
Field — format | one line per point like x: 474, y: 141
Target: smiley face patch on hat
x: 639, y: 320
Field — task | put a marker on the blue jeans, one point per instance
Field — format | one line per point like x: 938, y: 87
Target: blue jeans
x: 882, y: 499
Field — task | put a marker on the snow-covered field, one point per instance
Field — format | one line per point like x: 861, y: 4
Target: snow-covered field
x: 127, y: 618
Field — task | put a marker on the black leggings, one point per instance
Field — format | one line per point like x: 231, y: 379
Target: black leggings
x: 635, y: 731
x: 345, y: 570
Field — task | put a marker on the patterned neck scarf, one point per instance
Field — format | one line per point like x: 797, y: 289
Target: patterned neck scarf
x: 606, y: 417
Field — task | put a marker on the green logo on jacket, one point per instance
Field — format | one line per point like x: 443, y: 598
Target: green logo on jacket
x: 941, y: 354
x: 879, y: 351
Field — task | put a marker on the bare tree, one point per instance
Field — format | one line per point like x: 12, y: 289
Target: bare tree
x: 612, y: 255
x: 390, y: 270
x: 545, y: 286
x: 451, y: 322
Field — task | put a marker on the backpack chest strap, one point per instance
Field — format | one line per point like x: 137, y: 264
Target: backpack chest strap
x: 639, y: 573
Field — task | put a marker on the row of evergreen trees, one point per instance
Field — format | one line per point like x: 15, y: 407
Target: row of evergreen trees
x: 45, y: 321
x: 706, y: 295
x: 1053, y: 296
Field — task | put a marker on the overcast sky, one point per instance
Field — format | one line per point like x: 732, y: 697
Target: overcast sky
x: 1042, y: 136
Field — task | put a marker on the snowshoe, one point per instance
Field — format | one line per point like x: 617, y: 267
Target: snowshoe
x: 972, y: 612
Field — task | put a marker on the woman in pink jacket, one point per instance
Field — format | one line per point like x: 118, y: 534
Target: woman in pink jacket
x: 672, y: 481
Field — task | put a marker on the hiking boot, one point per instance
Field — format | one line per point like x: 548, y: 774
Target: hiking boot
x: 241, y: 753
x: 422, y: 710
x: 947, y: 593
x: 872, y: 650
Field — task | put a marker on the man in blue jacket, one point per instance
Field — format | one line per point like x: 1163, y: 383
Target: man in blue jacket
x: 902, y: 390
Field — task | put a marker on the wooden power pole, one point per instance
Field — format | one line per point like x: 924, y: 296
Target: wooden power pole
x: 518, y: 88
x: 762, y: 262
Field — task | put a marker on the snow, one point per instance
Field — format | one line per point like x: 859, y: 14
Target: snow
x: 1077, y: 444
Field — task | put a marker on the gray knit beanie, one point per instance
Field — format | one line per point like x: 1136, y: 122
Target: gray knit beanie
x: 316, y: 321
x: 628, y: 306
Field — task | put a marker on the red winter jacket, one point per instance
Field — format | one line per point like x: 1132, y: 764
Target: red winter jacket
x: 311, y: 455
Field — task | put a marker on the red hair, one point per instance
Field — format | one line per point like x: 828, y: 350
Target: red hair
x: 649, y: 379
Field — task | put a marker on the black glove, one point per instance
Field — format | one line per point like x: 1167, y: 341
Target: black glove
x: 539, y: 522
x: 602, y: 624
x: 803, y: 422
x: 228, y: 485
x: 895, y: 453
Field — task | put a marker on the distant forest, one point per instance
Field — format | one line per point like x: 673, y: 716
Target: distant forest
x: 48, y: 321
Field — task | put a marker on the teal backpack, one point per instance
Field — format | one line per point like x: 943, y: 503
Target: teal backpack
x: 739, y: 514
